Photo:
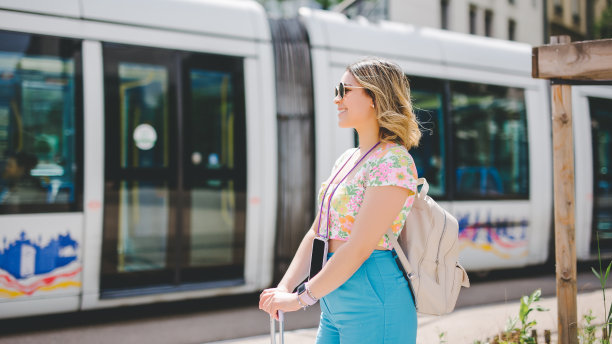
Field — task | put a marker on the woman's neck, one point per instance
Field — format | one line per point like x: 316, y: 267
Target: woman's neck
x: 367, y: 139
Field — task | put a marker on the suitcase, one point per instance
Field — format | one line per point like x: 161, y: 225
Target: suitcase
x: 281, y: 328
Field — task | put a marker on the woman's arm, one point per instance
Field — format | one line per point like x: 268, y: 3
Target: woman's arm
x: 379, y: 209
x: 296, y: 273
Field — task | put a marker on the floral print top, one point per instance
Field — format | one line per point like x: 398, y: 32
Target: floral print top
x: 387, y: 164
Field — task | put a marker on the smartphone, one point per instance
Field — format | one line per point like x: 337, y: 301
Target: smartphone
x: 318, y: 257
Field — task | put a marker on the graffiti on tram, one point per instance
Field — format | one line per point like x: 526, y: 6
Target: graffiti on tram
x: 504, y: 238
x: 28, y: 266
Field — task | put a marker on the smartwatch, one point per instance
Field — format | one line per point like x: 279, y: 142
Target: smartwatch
x: 304, y: 295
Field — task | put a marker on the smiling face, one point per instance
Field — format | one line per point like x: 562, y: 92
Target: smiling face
x: 356, y: 109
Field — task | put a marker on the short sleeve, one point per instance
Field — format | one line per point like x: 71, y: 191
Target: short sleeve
x: 395, y: 167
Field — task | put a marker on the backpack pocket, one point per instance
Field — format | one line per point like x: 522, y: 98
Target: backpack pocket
x: 460, y: 279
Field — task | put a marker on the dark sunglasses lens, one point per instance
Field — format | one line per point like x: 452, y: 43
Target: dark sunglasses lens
x: 340, y: 90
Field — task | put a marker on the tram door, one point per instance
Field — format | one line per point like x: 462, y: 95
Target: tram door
x: 175, y: 174
x: 601, y: 126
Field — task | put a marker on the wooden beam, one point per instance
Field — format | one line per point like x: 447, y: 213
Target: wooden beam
x: 588, y: 60
x: 563, y: 176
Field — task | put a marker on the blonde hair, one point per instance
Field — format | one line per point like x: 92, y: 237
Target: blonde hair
x: 386, y: 83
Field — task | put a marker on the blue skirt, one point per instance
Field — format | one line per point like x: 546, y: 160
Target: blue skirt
x: 375, y: 305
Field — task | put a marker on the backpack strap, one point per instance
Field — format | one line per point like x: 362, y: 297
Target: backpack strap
x: 424, y: 188
x: 398, y: 248
x: 400, y: 254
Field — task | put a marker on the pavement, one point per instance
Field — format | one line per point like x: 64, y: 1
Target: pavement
x: 481, y: 312
x: 471, y: 323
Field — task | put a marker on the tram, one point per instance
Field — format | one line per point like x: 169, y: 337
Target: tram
x: 163, y: 150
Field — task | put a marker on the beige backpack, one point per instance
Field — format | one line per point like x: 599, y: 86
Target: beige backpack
x: 430, y: 237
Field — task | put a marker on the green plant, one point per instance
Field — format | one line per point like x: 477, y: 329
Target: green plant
x: 603, y: 279
x: 527, y: 306
x: 441, y: 336
x: 586, y: 334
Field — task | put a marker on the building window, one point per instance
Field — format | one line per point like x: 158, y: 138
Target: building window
x: 472, y: 19
x: 488, y: 23
x: 444, y: 13
x: 576, y: 12
x: 558, y: 7
x: 511, y: 30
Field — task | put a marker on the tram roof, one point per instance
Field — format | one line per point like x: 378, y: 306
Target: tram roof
x: 334, y: 31
x: 244, y: 19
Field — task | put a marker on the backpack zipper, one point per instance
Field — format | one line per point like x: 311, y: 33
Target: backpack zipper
x: 439, y: 243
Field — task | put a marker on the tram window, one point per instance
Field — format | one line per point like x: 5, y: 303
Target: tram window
x: 429, y: 156
x: 489, y: 136
x: 39, y: 106
x: 601, y: 133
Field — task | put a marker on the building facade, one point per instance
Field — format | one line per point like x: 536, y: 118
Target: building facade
x: 527, y: 21
x: 517, y: 20
x: 574, y: 18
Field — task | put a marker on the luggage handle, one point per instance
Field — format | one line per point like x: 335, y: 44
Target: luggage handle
x: 281, y: 328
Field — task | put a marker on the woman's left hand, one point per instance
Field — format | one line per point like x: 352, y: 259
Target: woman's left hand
x: 275, y: 299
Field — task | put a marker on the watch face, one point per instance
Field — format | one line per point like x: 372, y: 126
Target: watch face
x: 301, y: 288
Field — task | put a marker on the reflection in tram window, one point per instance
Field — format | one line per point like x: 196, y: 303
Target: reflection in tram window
x: 489, y: 141
x: 429, y: 156
x: 212, y: 213
x: 38, y: 105
x: 143, y: 213
x: 601, y: 126
x: 143, y: 230
x: 19, y: 184
x: 143, y: 93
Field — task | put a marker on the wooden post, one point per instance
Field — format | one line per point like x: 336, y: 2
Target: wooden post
x: 565, y: 251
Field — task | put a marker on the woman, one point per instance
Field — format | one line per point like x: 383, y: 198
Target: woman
x: 364, y: 296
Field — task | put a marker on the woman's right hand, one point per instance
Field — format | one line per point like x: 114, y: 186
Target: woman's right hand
x: 272, y: 300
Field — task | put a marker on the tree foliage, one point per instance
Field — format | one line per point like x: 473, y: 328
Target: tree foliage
x: 326, y: 4
x: 603, y: 27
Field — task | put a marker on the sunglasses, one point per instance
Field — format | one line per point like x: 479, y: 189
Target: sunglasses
x: 341, y: 90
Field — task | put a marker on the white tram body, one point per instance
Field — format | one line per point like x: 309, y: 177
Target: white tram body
x: 233, y: 29
x: 174, y: 135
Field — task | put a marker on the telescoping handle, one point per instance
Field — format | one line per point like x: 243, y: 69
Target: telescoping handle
x: 281, y: 328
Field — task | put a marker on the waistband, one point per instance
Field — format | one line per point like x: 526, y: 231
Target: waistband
x: 375, y: 253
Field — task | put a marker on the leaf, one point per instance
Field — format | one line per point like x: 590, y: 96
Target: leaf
x: 542, y: 309
x: 511, y: 323
x: 596, y: 273
x: 607, y: 272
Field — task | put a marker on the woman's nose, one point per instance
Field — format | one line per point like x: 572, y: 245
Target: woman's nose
x: 337, y: 99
